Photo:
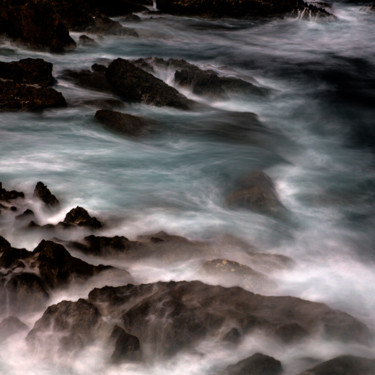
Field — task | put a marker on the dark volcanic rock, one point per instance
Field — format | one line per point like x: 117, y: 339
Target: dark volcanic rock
x: 123, y: 123
x: 95, y: 80
x: 75, y: 322
x: 4, y: 244
x: 26, y: 292
x: 34, y: 23
x: 10, y: 326
x: 11, y: 257
x: 344, y: 365
x: 136, y: 85
x: 106, y: 26
x: 42, y: 192
x: 229, y: 8
x: 87, y: 41
x: 127, y: 347
x: 256, y: 192
x: 12, y: 194
x: 79, y: 216
x: 19, y: 97
x: 104, y: 246
x: 57, y: 267
x: 29, y: 71
x: 169, y: 317
x: 257, y: 364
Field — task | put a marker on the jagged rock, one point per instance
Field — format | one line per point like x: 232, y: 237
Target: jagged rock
x: 26, y: 292
x: 169, y: 317
x: 11, y: 257
x: 12, y: 194
x: 20, y: 97
x: 10, y: 326
x: 28, y: 71
x: 257, y: 364
x: 123, y: 123
x: 34, y: 23
x: 106, y: 26
x: 229, y: 8
x: 57, y: 267
x: 127, y: 347
x: 256, y: 192
x: 344, y: 365
x: 75, y: 324
x: 79, y: 216
x: 42, y: 192
x: 4, y: 244
x: 136, y: 85
x: 104, y: 246
x: 26, y: 215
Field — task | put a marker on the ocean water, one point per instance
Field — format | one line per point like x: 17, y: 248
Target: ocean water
x: 316, y: 141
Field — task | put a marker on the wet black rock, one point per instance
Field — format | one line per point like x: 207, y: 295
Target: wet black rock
x: 106, y: 26
x: 5, y: 195
x: 86, y: 40
x: 4, y: 244
x: 344, y: 365
x: 28, y: 71
x: 127, y: 347
x: 256, y: 192
x: 42, y: 192
x: 257, y: 364
x: 105, y: 246
x: 19, y: 97
x: 57, y: 267
x: 34, y: 23
x: 11, y: 257
x: 75, y: 322
x: 124, y: 123
x: 80, y: 217
x: 136, y: 85
x: 10, y: 326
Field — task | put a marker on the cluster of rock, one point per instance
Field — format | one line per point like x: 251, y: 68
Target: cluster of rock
x: 141, y: 322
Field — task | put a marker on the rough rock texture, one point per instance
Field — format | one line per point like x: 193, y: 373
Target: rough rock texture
x: 20, y: 97
x: 184, y: 313
x: 257, y: 192
x: 5, y: 195
x: 34, y: 23
x: 137, y: 85
x: 257, y: 364
x: 344, y: 365
x: 42, y: 192
x: 28, y: 71
x: 127, y: 347
x: 80, y: 217
x: 123, y: 123
x: 229, y: 8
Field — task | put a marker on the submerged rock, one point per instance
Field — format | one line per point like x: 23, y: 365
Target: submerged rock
x: 106, y: 26
x: 137, y: 85
x: 344, y: 365
x: 256, y: 192
x: 123, y: 123
x: 257, y: 364
x: 42, y: 192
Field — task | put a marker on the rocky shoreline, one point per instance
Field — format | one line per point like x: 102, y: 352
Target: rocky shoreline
x: 141, y: 322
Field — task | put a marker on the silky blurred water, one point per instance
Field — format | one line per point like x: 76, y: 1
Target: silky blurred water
x: 316, y: 142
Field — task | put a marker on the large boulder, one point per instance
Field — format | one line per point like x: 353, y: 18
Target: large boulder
x: 29, y: 71
x: 6, y: 195
x: 344, y: 365
x: 80, y: 217
x: 136, y: 85
x: 123, y: 123
x: 19, y: 97
x: 106, y: 26
x: 10, y: 326
x: 34, y: 23
x: 257, y: 364
x: 256, y: 191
